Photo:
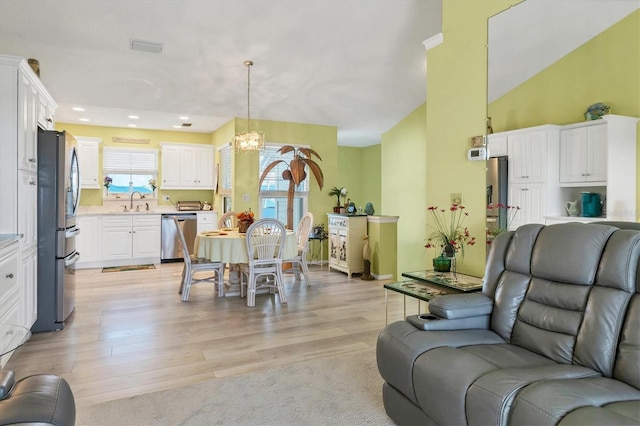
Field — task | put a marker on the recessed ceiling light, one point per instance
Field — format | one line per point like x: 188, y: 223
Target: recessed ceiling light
x: 183, y: 117
x: 132, y: 125
x: 133, y: 117
x: 84, y: 119
x: 77, y: 109
x: 177, y: 126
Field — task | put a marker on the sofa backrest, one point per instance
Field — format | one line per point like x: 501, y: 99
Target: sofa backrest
x: 569, y: 292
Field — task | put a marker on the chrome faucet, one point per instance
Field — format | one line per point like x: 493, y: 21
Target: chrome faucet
x: 132, y: 194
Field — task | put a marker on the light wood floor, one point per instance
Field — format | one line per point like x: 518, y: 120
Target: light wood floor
x: 131, y: 334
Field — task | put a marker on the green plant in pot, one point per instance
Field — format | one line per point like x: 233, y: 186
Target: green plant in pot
x: 337, y: 192
x: 449, y: 236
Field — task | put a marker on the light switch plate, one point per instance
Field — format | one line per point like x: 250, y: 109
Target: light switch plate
x: 246, y: 198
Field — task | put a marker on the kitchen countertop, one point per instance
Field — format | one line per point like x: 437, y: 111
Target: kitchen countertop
x: 101, y: 210
x: 8, y: 239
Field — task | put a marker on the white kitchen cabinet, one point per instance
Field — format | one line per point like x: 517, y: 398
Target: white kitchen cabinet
x: 346, y: 240
x: 497, y: 145
x: 27, y: 208
x: 89, y: 162
x: 533, y: 173
x: 130, y: 239
x: 28, y: 309
x: 531, y: 198
x: 528, y: 155
x: 170, y: 164
x: 207, y: 221
x: 88, y: 241
x: 27, y: 125
x: 583, y: 155
x: 187, y: 166
x: 600, y: 156
x: 46, y: 111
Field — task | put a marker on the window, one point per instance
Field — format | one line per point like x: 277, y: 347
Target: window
x: 226, y: 170
x: 130, y: 169
x: 273, y: 192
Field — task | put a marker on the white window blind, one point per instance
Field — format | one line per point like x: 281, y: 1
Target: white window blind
x: 274, y: 180
x: 226, y: 170
x: 129, y: 160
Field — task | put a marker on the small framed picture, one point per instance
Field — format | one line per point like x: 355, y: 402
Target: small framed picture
x: 478, y: 141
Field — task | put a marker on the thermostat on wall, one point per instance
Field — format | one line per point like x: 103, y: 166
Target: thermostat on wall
x: 477, y: 154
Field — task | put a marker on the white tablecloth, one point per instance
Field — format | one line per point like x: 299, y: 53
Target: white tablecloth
x: 232, y: 247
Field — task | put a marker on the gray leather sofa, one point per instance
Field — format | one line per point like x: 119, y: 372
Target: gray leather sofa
x: 42, y: 399
x: 554, y: 337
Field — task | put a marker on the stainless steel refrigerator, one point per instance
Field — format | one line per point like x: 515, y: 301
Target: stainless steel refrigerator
x: 58, y: 200
x: 497, y: 182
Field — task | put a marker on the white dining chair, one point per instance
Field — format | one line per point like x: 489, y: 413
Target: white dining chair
x: 265, y: 241
x: 300, y: 260
x: 227, y: 220
x: 193, y: 265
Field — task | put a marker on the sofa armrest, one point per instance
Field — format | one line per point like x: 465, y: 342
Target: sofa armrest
x: 7, y: 380
x: 431, y: 322
x: 455, y: 306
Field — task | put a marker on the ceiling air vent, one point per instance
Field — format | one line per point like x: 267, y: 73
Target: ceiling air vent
x: 145, y: 46
x: 186, y: 124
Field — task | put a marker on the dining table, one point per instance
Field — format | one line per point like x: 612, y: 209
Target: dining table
x: 230, y: 246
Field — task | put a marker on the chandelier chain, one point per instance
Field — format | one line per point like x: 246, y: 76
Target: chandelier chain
x: 248, y: 64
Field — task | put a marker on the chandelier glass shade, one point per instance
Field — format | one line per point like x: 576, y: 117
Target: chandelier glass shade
x: 249, y: 140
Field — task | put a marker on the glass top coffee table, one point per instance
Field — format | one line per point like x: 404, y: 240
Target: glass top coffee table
x: 426, y: 285
x: 456, y: 281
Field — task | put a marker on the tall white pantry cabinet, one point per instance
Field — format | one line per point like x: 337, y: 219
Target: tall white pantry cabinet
x: 24, y: 105
x: 346, y: 241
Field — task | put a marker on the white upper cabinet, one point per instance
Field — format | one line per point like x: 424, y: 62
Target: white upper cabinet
x: 89, y: 161
x: 497, y: 144
x: 187, y: 166
x: 583, y: 155
x: 528, y: 156
x: 28, y: 129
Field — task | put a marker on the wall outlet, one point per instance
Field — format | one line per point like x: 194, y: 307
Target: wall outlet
x: 456, y: 198
x: 166, y: 198
x: 246, y: 198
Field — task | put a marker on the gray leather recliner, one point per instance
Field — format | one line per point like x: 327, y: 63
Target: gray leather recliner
x: 554, y: 337
x: 42, y: 399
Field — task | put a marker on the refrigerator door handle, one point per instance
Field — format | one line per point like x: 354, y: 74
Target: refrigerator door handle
x: 72, y: 259
x: 72, y: 232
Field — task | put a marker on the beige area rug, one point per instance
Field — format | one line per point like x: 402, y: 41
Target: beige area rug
x: 339, y: 390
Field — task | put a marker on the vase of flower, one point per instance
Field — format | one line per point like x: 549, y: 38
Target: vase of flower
x: 441, y: 264
x: 245, y: 219
x: 243, y: 225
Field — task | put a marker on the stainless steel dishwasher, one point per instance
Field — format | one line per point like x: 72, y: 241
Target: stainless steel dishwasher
x: 171, y: 249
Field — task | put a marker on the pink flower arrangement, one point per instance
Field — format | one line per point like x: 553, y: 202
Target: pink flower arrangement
x: 449, y: 230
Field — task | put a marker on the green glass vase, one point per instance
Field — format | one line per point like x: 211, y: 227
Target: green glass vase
x: 441, y: 264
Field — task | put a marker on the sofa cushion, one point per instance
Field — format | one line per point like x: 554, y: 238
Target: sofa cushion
x: 546, y: 402
x: 490, y: 397
x: 400, y: 343
x: 456, y: 369
x: 617, y: 413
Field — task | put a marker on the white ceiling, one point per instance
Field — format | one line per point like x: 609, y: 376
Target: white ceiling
x: 354, y: 64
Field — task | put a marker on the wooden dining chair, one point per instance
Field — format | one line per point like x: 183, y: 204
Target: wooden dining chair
x: 300, y: 260
x: 265, y: 241
x: 193, y: 265
x: 228, y: 220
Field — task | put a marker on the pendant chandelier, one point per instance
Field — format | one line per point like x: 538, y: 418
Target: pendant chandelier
x: 249, y: 140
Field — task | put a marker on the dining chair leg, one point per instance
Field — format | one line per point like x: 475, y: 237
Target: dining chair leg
x: 251, y: 289
x: 280, y: 284
x: 305, y: 271
x: 187, y: 284
x: 181, y: 289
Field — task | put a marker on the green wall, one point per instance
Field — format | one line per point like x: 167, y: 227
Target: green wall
x: 359, y: 172
x: 404, y: 186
